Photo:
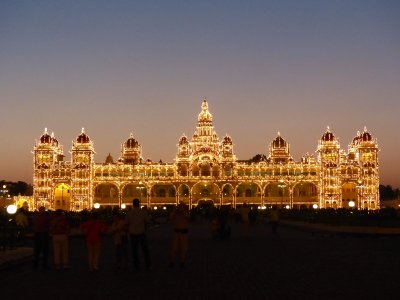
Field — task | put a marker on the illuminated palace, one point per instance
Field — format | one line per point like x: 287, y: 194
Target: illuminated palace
x: 206, y: 169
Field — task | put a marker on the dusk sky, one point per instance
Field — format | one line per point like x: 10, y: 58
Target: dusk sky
x: 116, y: 67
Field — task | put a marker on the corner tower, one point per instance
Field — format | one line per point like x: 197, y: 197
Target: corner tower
x: 329, y: 177
x: 82, y: 172
x: 47, y: 152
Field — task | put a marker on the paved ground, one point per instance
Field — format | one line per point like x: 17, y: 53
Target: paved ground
x: 293, y: 265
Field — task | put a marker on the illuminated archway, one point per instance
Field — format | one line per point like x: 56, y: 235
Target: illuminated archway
x: 132, y: 191
x: 349, y: 195
x: 163, y: 194
x: 249, y: 193
x: 62, y: 196
x: 305, y: 194
x: 277, y: 193
x: 227, y: 194
x: 205, y: 191
x: 184, y: 193
x: 106, y: 194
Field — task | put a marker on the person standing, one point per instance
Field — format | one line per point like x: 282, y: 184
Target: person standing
x: 93, y: 228
x: 41, y: 227
x: 180, y: 223
x: 120, y: 239
x: 21, y: 220
x: 137, y: 220
x: 274, y: 219
x: 244, y: 216
x: 59, y: 230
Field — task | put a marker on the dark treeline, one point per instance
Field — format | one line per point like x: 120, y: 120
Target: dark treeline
x: 388, y: 193
x: 17, y: 188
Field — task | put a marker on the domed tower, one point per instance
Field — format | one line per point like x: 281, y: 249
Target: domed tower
x: 81, y: 172
x: 109, y: 159
x: 183, y: 147
x: 329, y: 161
x: 205, y: 139
x: 365, y: 150
x: 47, y: 153
x: 227, y: 147
x: 182, y: 158
x: 228, y: 157
x: 279, y: 151
x: 131, y: 151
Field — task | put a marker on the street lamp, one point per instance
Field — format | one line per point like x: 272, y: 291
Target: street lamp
x: 140, y: 188
x: 282, y: 186
x: 4, y: 191
x: 360, y: 187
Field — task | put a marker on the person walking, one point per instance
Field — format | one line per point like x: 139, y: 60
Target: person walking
x: 180, y: 223
x: 93, y: 228
x: 41, y: 227
x: 119, y: 232
x: 137, y: 220
x: 60, y: 230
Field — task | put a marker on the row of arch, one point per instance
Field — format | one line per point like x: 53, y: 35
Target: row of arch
x: 278, y: 193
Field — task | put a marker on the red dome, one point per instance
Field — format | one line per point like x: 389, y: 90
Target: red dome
x: 83, y: 138
x: 131, y: 143
x: 366, y: 137
x: 328, y: 136
x: 45, y: 138
x: 279, y: 142
x: 227, y: 140
x: 183, y: 140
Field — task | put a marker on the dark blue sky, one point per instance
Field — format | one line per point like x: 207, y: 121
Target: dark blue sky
x: 116, y: 67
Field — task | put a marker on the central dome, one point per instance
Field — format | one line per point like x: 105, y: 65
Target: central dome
x: 205, y: 115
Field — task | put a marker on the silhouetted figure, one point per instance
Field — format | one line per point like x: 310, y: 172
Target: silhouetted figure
x: 21, y: 220
x: 273, y: 219
x: 244, y: 216
x: 224, y: 230
x: 41, y: 227
x: 59, y: 229
x: 93, y: 228
x: 119, y: 230
x: 137, y: 220
x: 180, y: 223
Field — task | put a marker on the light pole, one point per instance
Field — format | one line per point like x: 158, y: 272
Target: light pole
x: 4, y: 191
x: 140, y: 188
x: 360, y: 194
x: 282, y: 186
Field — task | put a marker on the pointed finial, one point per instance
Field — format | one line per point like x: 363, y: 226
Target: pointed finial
x: 279, y: 133
x: 328, y: 128
x: 83, y: 130
x: 365, y: 129
x: 45, y: 130
x: 52, y: 134
x: 131, y: 135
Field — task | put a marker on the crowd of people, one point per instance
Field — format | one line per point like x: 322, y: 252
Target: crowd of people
x: 129, y: 233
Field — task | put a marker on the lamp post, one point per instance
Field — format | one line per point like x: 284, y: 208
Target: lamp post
x: 4, y: 191
x: 360, y: 187
x: 282, y: 186
x: 140, y: 188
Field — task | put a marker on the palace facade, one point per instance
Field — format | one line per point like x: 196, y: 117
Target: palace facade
x: 206, y: 169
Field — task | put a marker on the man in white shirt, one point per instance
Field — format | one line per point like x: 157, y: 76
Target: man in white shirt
x: 137, y: 219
